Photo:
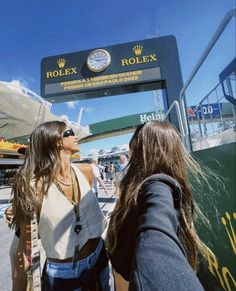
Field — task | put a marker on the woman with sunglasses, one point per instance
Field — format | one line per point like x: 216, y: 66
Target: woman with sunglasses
x: 70, y: 221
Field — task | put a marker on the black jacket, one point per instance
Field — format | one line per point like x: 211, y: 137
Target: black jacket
x: 149, y: 253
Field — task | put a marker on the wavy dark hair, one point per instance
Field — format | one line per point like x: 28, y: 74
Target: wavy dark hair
x: 42, y: 162
x: 156, y: 147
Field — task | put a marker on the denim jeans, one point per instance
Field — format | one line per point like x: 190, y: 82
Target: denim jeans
x: 86, y: 275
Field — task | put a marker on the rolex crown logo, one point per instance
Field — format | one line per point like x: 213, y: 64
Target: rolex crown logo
x: 137, y: 50
x: 228, y: 223
x: 61, y: 63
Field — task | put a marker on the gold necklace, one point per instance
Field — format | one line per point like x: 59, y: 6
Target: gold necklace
x: 63, y: 193
x: 64, y: 183
x: 74, y: 188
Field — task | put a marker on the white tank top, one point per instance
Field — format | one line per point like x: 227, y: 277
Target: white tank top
x: 57, y: 220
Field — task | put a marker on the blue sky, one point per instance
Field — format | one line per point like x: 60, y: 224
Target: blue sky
x: 31, y: 30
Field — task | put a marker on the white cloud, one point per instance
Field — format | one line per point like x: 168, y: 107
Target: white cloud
x: 72, y: 104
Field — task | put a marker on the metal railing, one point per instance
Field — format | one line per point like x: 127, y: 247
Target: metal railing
x: 175, y: 104
x: 203, y: 57
x: 211, y: 121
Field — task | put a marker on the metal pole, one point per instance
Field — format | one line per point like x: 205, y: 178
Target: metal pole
x: 80, y: 115
x: 176, y: 104
x: 230, y: 90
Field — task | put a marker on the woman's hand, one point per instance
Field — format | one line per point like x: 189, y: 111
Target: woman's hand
x: 9, y: 215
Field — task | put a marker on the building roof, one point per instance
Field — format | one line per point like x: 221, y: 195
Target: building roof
x: 21, y: 110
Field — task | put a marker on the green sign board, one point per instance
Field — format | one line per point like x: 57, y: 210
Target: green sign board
x: 124, y: 122
x: 120, y: 125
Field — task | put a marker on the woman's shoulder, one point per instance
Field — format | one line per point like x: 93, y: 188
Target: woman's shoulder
x: 161, y: 179
x: 161, y: 184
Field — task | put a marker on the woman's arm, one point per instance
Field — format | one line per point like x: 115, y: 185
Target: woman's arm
x: 101, y: 183
x: 159, y: 261
x: 22, y: 259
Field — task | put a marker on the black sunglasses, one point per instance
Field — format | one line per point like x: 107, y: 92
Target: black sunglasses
x: 68, y: 132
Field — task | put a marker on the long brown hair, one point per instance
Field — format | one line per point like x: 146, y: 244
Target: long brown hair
x: 156, y: 147
x: 39, y: 169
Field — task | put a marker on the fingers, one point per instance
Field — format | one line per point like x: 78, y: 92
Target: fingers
x: 9, y: 215
x: 9, y: 211
x: 9, y: 219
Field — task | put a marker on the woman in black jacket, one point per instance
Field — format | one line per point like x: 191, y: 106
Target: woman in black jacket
x: 151, y: 237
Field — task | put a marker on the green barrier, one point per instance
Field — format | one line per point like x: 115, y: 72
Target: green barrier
x: 219, y: 206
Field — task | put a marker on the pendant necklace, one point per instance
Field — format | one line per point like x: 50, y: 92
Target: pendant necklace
x: 75, y: 198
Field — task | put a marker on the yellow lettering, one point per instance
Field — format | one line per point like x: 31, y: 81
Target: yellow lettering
x: 73, y: 71
x: 213, y: 266
x: 124, y: 62
x: 55, y: 73
x: 139, y: 60
x: 67, y: 71
x: 49, y: 75
x: 153, y: 58
x: 132, y: 61
x: 229, y: 229
x: 226, y: 272
x: 145, y: 59
x: 61, y: 72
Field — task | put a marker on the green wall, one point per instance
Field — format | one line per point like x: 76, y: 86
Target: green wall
x: 219, y: 206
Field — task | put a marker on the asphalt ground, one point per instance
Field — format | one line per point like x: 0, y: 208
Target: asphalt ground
x: 106, y: 203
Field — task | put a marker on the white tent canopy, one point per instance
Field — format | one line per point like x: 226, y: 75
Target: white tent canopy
x: 21, y: 110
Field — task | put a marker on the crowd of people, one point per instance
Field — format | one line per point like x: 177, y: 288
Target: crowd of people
x: 151, y: 241
x: 109, y: 172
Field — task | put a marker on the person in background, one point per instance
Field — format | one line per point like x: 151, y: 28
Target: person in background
x: 112, y: 173
x: 97, y: 180
x: 123, y: 165
x: 107, y: 172
x: 123, y: 162
x: 70, y: 220
x: 1, y: 177
x: 116, y: 166
x: 101, y: 169
x: 152, y: 241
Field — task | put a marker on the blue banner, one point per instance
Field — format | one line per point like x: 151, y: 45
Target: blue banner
x: 209, y: 111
